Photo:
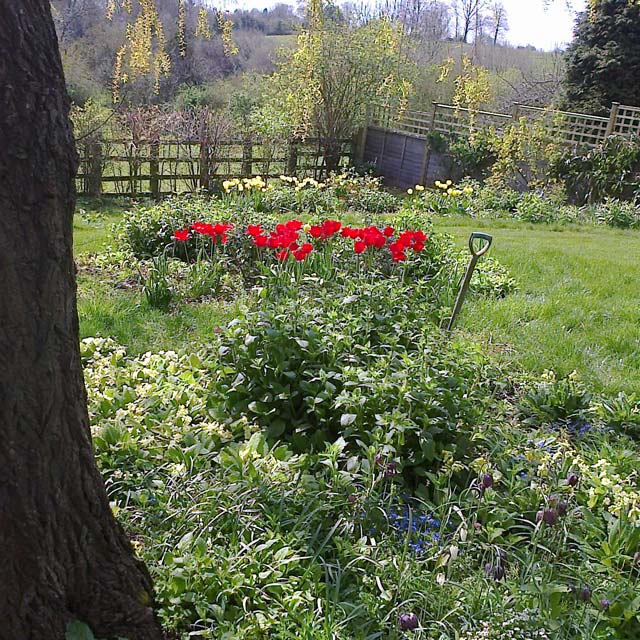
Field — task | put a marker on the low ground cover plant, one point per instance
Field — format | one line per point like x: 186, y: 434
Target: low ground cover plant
x: 247, y: 537
x: 548, y: 205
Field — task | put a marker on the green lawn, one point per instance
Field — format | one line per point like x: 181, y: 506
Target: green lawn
x: 578, y: 306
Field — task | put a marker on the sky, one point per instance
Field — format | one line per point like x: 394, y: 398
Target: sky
x: 530, y: 23
x: 545, y: 28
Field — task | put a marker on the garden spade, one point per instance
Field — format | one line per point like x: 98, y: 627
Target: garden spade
x: 484, y: 242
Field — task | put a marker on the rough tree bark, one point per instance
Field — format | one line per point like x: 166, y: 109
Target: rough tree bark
x: 63, y: 554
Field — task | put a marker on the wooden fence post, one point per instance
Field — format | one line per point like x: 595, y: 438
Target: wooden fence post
x: 203, y: 165
x: 154, y: 169
x: 613, y: 119
x: 427, y: 147
x: 94, y: 169
x: 292, y: 159
x: 361, y: 138
x: 247, y: 159
x: 515, y: 112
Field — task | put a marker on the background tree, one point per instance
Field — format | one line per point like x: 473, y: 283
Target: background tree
x: 324, y: 86
x: 64, y: 554
x: 497, y: 20
x: 467, y: 14
x: 603, y: 61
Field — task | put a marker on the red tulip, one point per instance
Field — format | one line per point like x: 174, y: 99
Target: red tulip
x: 181, y: 236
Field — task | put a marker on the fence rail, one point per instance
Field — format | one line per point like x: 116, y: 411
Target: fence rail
x: 579, y: 130
x: 155, y: 168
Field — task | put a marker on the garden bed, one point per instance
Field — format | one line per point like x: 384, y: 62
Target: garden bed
x: 304, y: 453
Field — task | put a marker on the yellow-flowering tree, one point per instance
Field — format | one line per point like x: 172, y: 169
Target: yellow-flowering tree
x: 144, y: 50
x: 324, y: 85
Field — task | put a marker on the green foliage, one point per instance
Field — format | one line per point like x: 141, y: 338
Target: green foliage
x: 335, y: 72
x: 535, y: 207
x: 155, y: 284
x: 603, y: 57
x: 612, y: 169
x: 358, y: 369
x: 330, y: 462
x: 491, y: 200
x: 447, y: 199
x: 147, y: 231
x: 563, y: 401
x: 523, y: 153
x: 329, y: 545
x: 474, y: 156
x: 621, y: 413
x: 373, y: 200
x: 309, y: 199
x: 615, y: 213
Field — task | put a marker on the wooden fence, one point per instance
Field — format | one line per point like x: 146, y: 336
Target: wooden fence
x: 396, y: 141
x: 140, y: 168
x: 576, y: 129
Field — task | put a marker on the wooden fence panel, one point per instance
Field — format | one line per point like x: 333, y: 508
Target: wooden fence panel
x: 122, y: 167
x: 396, y: 141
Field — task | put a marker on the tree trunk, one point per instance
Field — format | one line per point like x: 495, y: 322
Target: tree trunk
x: 63, y: 554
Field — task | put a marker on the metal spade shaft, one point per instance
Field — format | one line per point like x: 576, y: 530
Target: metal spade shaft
x: 485, y: 242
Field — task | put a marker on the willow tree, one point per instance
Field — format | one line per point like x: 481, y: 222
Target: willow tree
x: 324, y: 86
x: 64, y: 556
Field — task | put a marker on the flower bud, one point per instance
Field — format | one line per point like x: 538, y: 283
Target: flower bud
x: 487, y: 481
x: 563, y: 507
x: 550, y: 516
x: 585, y: 593
x: 408, y: 621
x: 572, y: 479
x: 605, y: 604
x: 498, y: 572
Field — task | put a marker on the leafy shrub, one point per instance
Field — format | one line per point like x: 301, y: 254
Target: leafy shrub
x: 534, y: 207
x: 363, y: 366
x: 612, y: 169
x: 494, y: 200
x: 617, y: 213
x: 147, y: 231
x: 285, y: 199
x: 564, y: 401
x: 373, y: 200
x: 474, y: 156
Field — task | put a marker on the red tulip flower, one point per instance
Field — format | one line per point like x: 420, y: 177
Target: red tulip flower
x: 181, y: 236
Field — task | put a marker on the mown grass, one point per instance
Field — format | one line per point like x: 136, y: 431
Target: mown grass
x: 577, y: 308
x: 117, y: 310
